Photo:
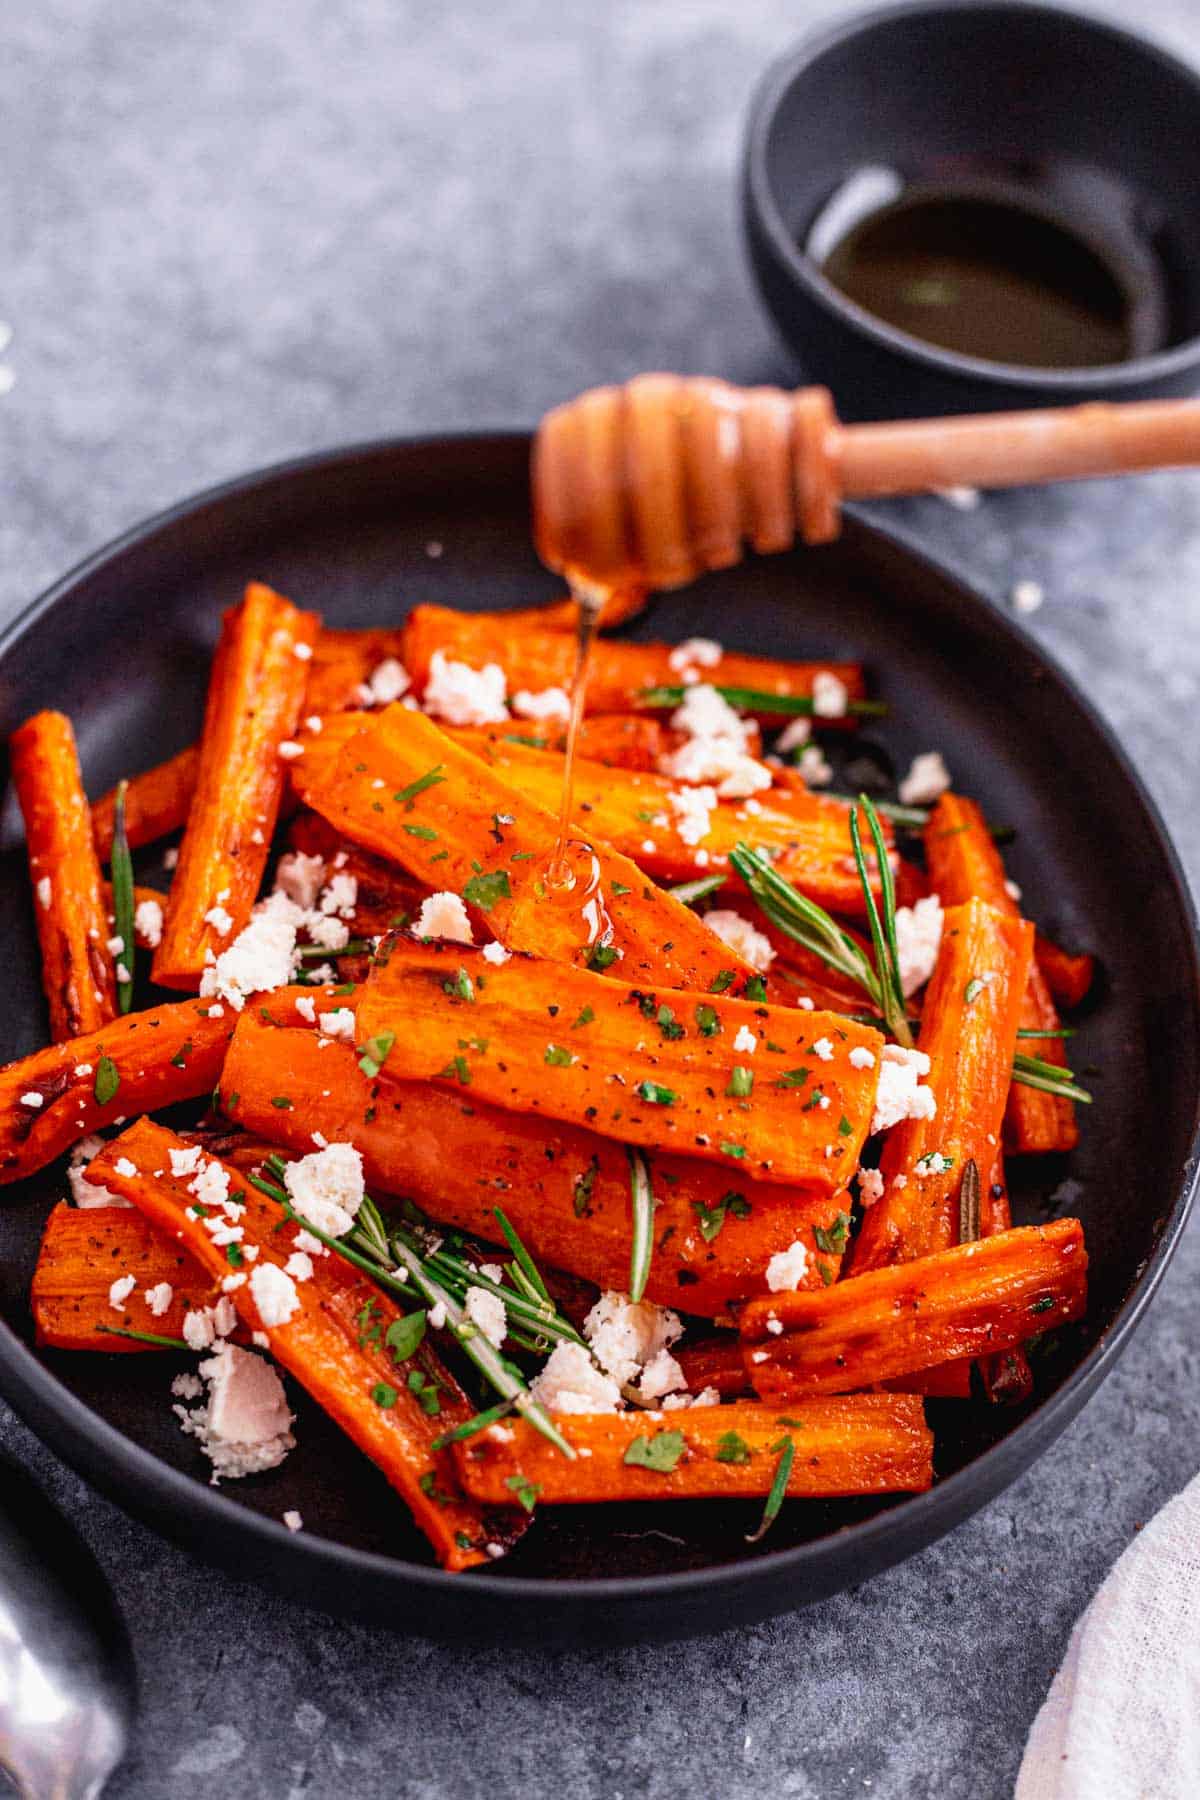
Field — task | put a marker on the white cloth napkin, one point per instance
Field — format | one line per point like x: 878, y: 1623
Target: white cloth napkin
x: 1122, y: 1719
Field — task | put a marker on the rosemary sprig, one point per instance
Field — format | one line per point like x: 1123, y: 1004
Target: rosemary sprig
x: 525, y: 1273
x: 641, y: 1197
x: 783, y: 1469
x: 469, y: 1427
x: 1060, y: 1031
x: 315, y: 953
x: 802, y: 920
x: 692, y: 892
x: 915, y: 818
x: 1049, y: 1078
x: 756, y: 700
x: 144, y: 1337
x: 121, y: 869
x: 882, y: 921
x: 969, y: 1198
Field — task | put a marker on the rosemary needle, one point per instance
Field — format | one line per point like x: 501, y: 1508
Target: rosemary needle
x: 121, y: 869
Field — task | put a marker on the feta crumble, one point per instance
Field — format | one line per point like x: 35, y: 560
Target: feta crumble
x: 661, y: 1375
x: 45, y: 892
x: 550, y: 703
x: 793, y: 736
x: 570, y: 1382
x: 158, y: 1298
x: 120, y: 1291
x: 745, y: 1040
x: 260, y: 957
x: 33, y: 1100
x: 87, y: 1193
x: 487, y: 1313
x: 870, y: 1186
x: 815, y: 768
x: 716, y: 748
x: 823, y: 1048
x: 625, y: 1335
x: 787, y: 1268
x: 327, y: 1187
x: 299, y: 1266
x: 148, y: 923
x: 339, y: 1023
x: 918, y: 940
x: 388, y: 681
x: 926, y: 781
x: 274, y: 1294
x: 496, y: 953
x: 742, y: 938
x: 695, y: 653
x: 899, y: 1094
x: 861, y: 1058
x: 300, y: 877
x: 293, y: 1521
x: 244, y: 1426
x: 443, y: 915
x: 693, y: 808
x: 465, y: 696
x: 830, y: 696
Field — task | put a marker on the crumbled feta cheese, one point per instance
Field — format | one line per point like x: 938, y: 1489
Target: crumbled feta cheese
x: 570, y: 1382
x: 220, y: 920
x: 122, y: 973
x: 693, y: 807
x: 625, y: 1336
x: 245, y: 1425
x: 45, y: 892
x: 302, y: 652
x: 496, y: 953
x: 120, y: 1291
x: 918, y: 940
x: 745, y: 1040
x: 716, y: 747
x: 210, y: 1184
x: 661, y: 1375
x: 300, y: 877
x: 870, y: 1186
x: 289, y: 750
x: 231, y: 1283
x: 82, y: 1069
x: 274, y: 1294
x: 926, y: 780
x: 387, y: 681
x: 1027, y: 596
x: 1012, y: 890
x: 793, y: 736
x: 824, y: 1049
x: 171, y: 858
x: 124, y: 1167
x: 326, y: 931
x: 695, y: 653
x: 815, y: 768
x: 339, y: 1023
x: 899, y: 1094
x: 933, y: 1164
x: 187, y: 1387
x: 299, y: 1266
x: 437, y: 1315
x: 33, y: 1099
x: 805, y: 1003
x: 340, y: 896
x: 148, y: 923
x: 786, y: 1269
x: 830, y: 695
x: 198, y: 1330
x: 306, y: 1007
x: 292, y: 1520
x: 861, y: 1058
x: 314, y: 723
x: 551, y: 703
x: 260, y: 957
x: 159, y: 1298
x: 959, y: 496
x: 708, y: 1396
x: 751, y: 945
x: 185, y: 1162
x: 443, y: 915
x: 487, y: 1313
x: 86, y: 1193
x: 312, y: 1246
x: 115, y: 946
x: 327, y: 1187
x: 465, y: 696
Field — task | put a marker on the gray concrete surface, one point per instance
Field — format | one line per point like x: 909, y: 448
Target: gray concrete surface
x: 229, y: 233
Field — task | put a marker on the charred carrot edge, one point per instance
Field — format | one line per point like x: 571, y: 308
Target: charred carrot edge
x: 255, y: 696
x: 542, y: 1037
x: 618, y: 673
x: 334, y: 1343
x: 807, y: 837
x: 49, y: 1100
x: 156, y: 803
x: 83, y: 1251
x: 860, y: 1444
x: 969, y: 1031
x: 1068, y: 974
x: 566, y: 1190
x: 965, y: 864
x: 68, y: 895
x: 454, y: 823
x: 977, y: 1299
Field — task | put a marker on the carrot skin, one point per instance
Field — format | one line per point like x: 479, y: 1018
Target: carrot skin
x: 472, y: 832
x: 515, y: 1043
x: 325, y: 1344
x: 69, y: 909
x: 859, y: 1444
x: 566, y: 1190
x: 970, y: 1044
x: 979, y: 1298
x: 1068, y: 975
x: 156, y: 803
x: 255, y: 697
x: 83, y: 1251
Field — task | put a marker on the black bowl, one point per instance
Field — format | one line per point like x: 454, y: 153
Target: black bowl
x: 1079, y: 121
x: 122, y: 644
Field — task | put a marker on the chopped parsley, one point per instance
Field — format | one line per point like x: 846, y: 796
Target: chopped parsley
x: 558, y: 1056
x: 461, y: 987
x: 179, y: 1060
x: 725, y: 978
x: 526, y: 1491
x: 375, y: 1053
x: 484, y: 891
x: 403, y: 1336
x: 583, y: 1188
x: 660, y: 1453
x: 832, y: 1238
x: 732, y: 1448
x: 408, y: 794
x: 585, y: 1018
x: 707, y: 1020
x: 384, y: 1394
x: 601, y: 956
x: 108, y: 1080
x: 419, y: 831
x: 654, y: 1094
x: 741, y: 1082
x: 712, y: 1218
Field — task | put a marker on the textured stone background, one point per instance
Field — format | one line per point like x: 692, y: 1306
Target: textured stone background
x: 230, y: 233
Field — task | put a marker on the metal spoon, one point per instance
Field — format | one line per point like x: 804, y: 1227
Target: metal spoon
x: 66, y: 1669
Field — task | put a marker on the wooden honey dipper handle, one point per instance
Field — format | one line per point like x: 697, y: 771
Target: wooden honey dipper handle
x: 650, y: 484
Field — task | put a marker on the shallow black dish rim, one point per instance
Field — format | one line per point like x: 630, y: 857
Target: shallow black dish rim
x: 1113, y: 378
x: 188, y: 1511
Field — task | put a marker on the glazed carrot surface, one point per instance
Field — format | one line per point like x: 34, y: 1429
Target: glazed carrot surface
x: 255, y: 698
x: 157, y: 803
x: 335, y: 1342
x: 663, y: 1067
x: 69, y: 908
x: 83, y: 1252
x: 864, y: 1444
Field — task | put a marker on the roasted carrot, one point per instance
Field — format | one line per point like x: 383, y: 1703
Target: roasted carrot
x: 343, y: 662
x: 975, y: 1299
x: 969, y: 1032
x: 619, y: 740
x: 766, y: 1089
x: 1068, y: 974
x: 334, y: 1342
x: 566, y: 1190
x: 720, y: 1362
x: 619, y: 674
x: 156, y: 803
x: 1007, y: 1377
x: 639, y: 814
x: 857, y: 1444
x: 453, y: 823
x: 964, y: 864
x: 255, y: 697
x: 83, y: 1251
x: 68, y: 896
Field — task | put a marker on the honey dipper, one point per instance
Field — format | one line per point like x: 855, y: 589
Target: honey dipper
x: 652, y: 483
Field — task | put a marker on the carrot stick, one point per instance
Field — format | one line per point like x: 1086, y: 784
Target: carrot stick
x: 808, y: 837
x: 566, y: 1190
x: 83, y: 1252
x: 342, y: 661
x: 334, y: 1343
x: 975, y: 1299
x: 255, y: 697
x: 969, y: 1032
x: 618, y: 673
x: 965, y: 864
x: 666, y: 1069
x: 156, y: 803
x: 715, y: 1362
x: 1007, y: 1377
x: 619, y: 740
x: 72, y: 924
x: 859, y: 1444
x: 1068, y: 975
x: 454, y: 824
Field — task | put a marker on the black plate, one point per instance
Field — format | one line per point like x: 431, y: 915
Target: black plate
x: 123, y: 646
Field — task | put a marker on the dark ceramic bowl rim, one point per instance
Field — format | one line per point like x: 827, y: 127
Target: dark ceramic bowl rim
x: 771, y: 94
x: 102, y: 1454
